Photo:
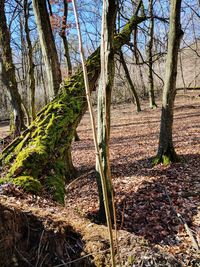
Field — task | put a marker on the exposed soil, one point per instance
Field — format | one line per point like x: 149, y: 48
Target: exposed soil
x: 148, y: 198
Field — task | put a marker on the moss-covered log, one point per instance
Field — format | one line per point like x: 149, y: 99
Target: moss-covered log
x: 40, y: 158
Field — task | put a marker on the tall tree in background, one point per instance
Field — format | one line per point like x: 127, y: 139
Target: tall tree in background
x: 152, y: 102
x: 133, y: 91
x: 48, y: 47
x: 31, y: 66
x: 104, y: 97
x: 8, y: 72
x: 64, y: 37
x: 166, y: 152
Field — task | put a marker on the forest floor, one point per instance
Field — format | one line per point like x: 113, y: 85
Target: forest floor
x: 150, y: 200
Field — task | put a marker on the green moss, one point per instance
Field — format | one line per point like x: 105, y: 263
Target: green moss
x: 28, y: 183
x: 156, y: 160
x: 161, y: 159
x: 4, y: 180
x: 30, y: 158
x: 55, y: 182
x: 8, y: 158
x: 56, y: 186
x: 21, y: 144
x: 166, y: 160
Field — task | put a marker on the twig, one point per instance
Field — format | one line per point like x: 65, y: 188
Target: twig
x: 23, y: 258
x: 84, y: 257
x: 122, y: 220
x: 43, y: 260
x: 183, y: 222
x: 78, y: 178
x: 39, y: 247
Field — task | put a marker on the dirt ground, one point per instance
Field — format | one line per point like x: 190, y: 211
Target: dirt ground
x: 148, y: 198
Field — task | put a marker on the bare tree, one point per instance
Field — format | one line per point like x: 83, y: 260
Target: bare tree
x: 64, y: 37
x: 152, y: 102
x: 52, y: 65
x: 8, y: 73
x: 31, y: 65
x: 166, y: 152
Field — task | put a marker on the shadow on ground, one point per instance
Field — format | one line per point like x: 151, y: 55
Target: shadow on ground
x: 146, y: 211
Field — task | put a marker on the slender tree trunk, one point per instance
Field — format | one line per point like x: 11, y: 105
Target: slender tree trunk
x: 132, y: 87
x: 22, y: 74
x: 8, y: 73
x: 152, y: 102
x: 37, y: 159
x: 66, y: 48
x: 182, y: 74
x: 48, y: 47
x: 64, y: 37
x: 42, y: 80
x: 104, y: 99
x: 31, y: 66
x: 166, y: 151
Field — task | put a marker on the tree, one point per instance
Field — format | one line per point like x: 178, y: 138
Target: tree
x: 152, y: 102
x: 48, y: 47
x: 104, y: 99
x: 166, y: 152
x: 8, y: 73
x: 31, y: 66
x: 39, y: 158
x: 64, y: 38
x: 134, y: 94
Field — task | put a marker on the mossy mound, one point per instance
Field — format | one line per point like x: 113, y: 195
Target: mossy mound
x: 28, y: 183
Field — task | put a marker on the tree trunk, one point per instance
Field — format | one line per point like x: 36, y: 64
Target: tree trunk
x: 31, y: 66
x: 48, y: 47
x: 132, y: 87
x: 8, y: 73
x: 166, y: 152
x: 39, y: 158
x: 152, y: 102
x: 64, y: 38
x: 104, y: 101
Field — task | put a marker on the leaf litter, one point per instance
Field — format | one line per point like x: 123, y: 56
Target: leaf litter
x: 142, y: 192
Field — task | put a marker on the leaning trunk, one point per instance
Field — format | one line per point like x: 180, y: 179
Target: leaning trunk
x: 39, y: 159
x: 166, y: 152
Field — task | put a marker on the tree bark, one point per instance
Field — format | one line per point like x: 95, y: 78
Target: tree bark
x: 104, y: 100
x: 8, y: 73
x: 39, y: 158
x: 31, y: 66
x: 132, y: 87
x: 152, y: 102
x: 48, y: 47
x: 64, y: 37
x: 166, y: 152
